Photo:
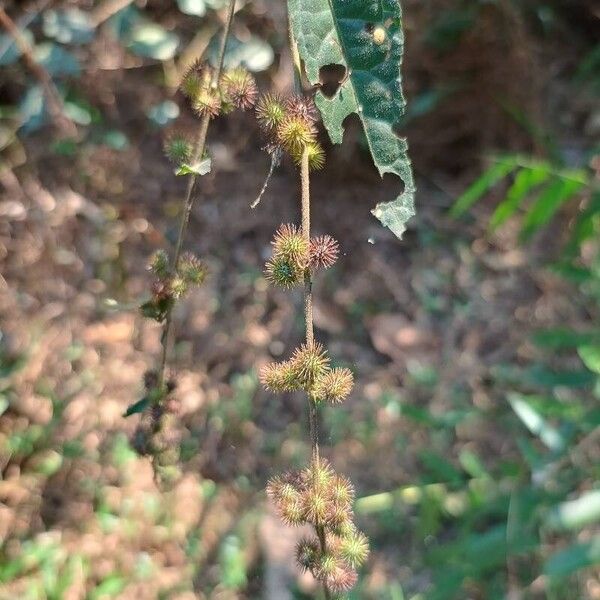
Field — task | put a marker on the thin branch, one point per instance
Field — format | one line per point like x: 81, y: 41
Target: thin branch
x: 310, y: 333
x: 188, y: 204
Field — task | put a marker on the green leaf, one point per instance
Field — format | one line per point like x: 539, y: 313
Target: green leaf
x: 549, y: 202
x: 154, y: 41
x: 590, y: 355
x: 192, y: 7
x: 587, y: 225
x: 254, y: 53
x: 366, y: 38
x: 69, y: 26
x: 138, y: 407
x: 526, y: 180
x: 558, y: 339
x: 162, y: 114
x: 573, y: 558
x: 493, y: 175
x: 110, y: 587
x: 200, y: 168
x: 532, y: 419
x: 575, y: 514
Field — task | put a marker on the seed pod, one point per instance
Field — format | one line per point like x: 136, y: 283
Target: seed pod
x: 270, y: 112
x: 303, y: 107
x: 207, y: 102
x: 342, y: 579
x: 279, y: 377
x: 354, y: 549
x: 324, y: 252
x: 239, y: 87
x: 295, y: 132
x: 178, y: 148
x: 310, y: 364
x: 316, y: 155
x: 283, y: 273
x: 289, y: 244
x: 335, y: 386
x: 192, y: 270
x: 307, y: 553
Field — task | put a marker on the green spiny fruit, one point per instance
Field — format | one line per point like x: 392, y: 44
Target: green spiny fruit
x: 270, y: 111
x: 354, y: 549
x: 239, y: 87
x: 192, y: 270
x: 310, y: 364
x: 283, y: 273
x: 289, y: 244
x: 294, y: 133
x: 316, y: 155
x: 335, y: 386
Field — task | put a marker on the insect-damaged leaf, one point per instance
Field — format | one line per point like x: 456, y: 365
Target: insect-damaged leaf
x: 366, y: 38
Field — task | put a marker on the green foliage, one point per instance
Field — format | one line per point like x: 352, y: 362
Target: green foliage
x: 366, y: 38
x: 550, y: 186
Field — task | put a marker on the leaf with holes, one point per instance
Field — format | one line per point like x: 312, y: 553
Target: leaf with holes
x: 366, y: 38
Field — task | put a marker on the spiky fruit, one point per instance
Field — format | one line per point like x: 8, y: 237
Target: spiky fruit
x: 327, y: 564
x: 178, y: 148
x: 318, y: 476
x: 191, y: 269
x: 310, y: 364
x: 342, y: 491
x: 290, y: 244
x: 354, y: 549
x: 196, y: 78
x: 324, y: 252
x: 179, y: 286
x: 292, y: 514
x: 307, y: 553
x: 270, y: 111
x: 315, y: 506
x: 207, y: 102
x: 303, y: 107
x: 335, y: 386
x: 239, y: 87
x: 279, y: 377
x: 342, y: 529
x: 159, y: 264
x: 316, y: 156
x: 342, y: 579
x: 283, y: 272
x: 294, y: 133
x: 287, y: 498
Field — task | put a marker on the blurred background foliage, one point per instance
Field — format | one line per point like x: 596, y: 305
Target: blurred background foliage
x: 474, y: 432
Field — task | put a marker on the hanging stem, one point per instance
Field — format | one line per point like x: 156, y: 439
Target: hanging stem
x: 310, y: 334
x: 188, y: 204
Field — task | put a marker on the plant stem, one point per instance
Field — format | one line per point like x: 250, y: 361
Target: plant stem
x: 188, y: 203
x: 310, y: 334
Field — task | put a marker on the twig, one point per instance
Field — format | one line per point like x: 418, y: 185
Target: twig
x: 189, y: 196
x: 55, y: 103
x: 310, y: 334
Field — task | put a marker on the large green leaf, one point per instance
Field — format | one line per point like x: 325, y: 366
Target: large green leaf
x: 366, y: 38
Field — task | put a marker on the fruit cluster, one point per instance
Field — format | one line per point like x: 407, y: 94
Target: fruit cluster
x: 289, y: 125
x: 293, y: 254
x: 318, y: 496
x: 168, y: 287
x: 158, y: 435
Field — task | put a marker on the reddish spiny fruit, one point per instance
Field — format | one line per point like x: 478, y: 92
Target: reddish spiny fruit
x: 324, y: 252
